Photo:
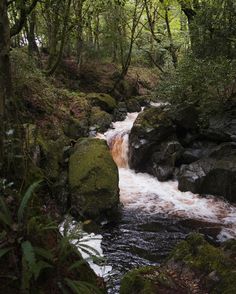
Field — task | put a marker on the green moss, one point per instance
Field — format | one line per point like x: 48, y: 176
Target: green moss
x: 99, y: 119
x: 204, y: 258
x: 152, y: 118
x: 105, y: 101
x: 140, y: 281
x: 93, y: 177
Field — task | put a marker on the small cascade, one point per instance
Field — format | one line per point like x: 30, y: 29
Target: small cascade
x: 143, y: 192
x: 155, y: 215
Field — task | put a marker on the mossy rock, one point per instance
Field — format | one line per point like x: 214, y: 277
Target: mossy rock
x: 136, y: 282
x: 194, y: 265
x: 47, y: 154
x: 214, y: 265
x: 104, y: 101
x: 75, y: 128
x: 52, y: 155
x: 99, y: 119
x: 93, y: 178
x: 133, y: 105
x: 147, y: 280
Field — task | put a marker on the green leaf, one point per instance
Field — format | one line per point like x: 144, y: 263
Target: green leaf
x: 26, y: 199
x: 76, y: 264
x: 4, y: 251
x: 28, y: 253
x: 39, y: 266
x: 43, y: 253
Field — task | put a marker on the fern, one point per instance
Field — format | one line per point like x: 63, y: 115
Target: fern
x: 25, y: 200
x: 79, y: 287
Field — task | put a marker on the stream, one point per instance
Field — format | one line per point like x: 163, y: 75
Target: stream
x: 155, y: 215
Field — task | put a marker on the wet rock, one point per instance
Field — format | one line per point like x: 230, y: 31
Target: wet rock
x: 222, y: 128
x: 151, y: 128
x: 93, y: 179
x: 163, y: 160
x: 120, y: 112
x: 210, y: 176
x: 133, y: 105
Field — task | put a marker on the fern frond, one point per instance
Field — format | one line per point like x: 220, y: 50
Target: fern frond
x: 25, y: 200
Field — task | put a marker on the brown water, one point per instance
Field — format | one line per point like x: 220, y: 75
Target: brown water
x: 155, y: 215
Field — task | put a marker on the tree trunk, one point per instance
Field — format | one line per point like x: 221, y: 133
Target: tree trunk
x: 171, y: 47
x: 30, y: 30
x: 63, y: 39
x: 79, y: 15
x: 5, y: 73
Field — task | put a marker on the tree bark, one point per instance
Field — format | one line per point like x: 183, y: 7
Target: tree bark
x: 5, y: 73
x: 172, y: 47
x: 63, y: 39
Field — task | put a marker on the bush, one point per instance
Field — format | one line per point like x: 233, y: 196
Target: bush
x: 209, y: 84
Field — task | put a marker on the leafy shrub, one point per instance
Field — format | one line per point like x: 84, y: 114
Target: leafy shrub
x: 209, y: 84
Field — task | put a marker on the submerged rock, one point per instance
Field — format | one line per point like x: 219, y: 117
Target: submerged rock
x: 93, y: 179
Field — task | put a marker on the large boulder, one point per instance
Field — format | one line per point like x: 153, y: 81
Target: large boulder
x: 214, y: 175
x: 151, y: 128
x: 222, y: 127
x: 93, y: 179
x: 102, y: 100
x: 163, y: 160
x: 154, y: 146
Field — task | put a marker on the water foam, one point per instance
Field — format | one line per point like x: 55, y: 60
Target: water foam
x: 145, y: 193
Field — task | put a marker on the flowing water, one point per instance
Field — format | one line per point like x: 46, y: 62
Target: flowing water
x: 155, y: 215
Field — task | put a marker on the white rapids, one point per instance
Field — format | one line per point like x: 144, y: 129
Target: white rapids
x: 143, y: 192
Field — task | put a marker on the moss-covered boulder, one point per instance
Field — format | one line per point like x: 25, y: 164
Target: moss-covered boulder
x: 99, y: 120
x: 194, y: 266
x: 93, y: 179
x: 75, y: 128
x: 104, y: 101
